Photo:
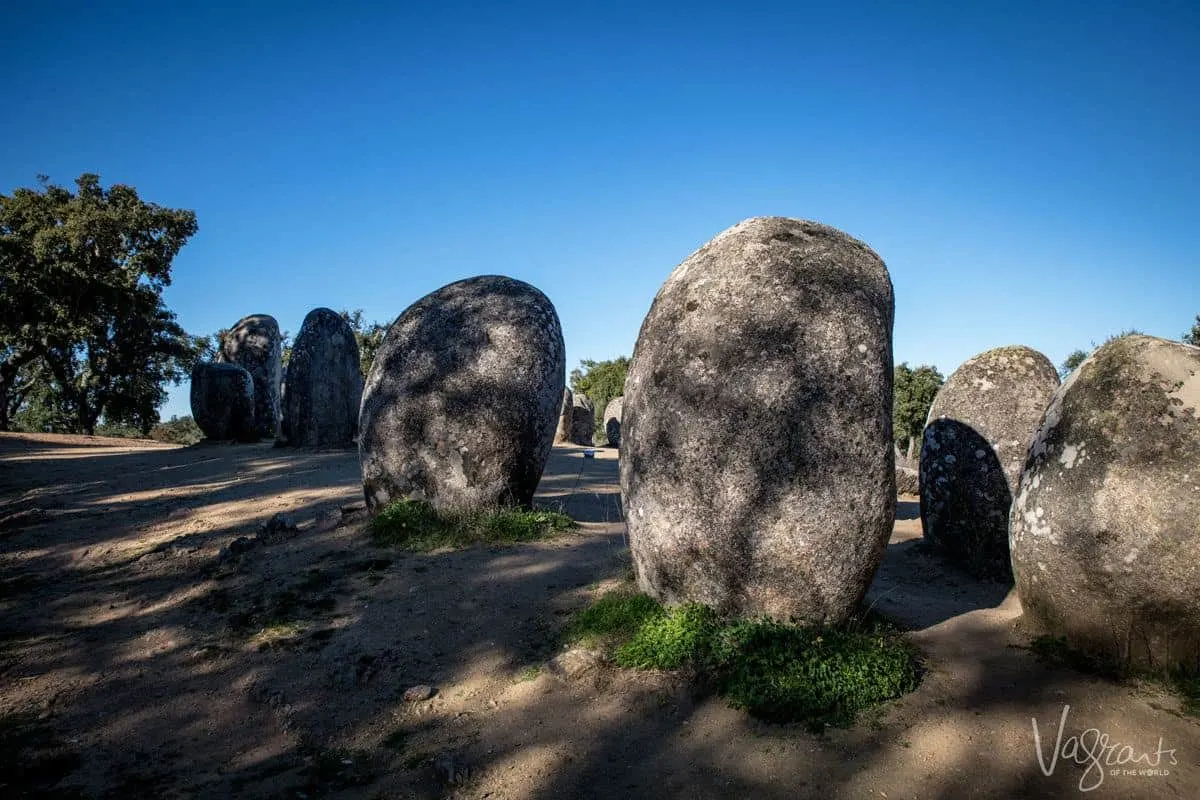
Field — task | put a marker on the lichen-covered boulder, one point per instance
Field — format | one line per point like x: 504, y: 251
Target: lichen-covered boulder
x: 222, y: 398
x: 583, y: 419
x: 908, y: 480
x: 324, y: 386
x: 256, y: 344
x: 1105, y: 528
x: 563, y: 432
x: 462, y: 399
x: 757, y: 473
x: 972, y: 452
x: 612, y: 421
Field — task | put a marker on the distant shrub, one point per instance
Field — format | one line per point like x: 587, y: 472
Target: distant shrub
x: 177, y: 430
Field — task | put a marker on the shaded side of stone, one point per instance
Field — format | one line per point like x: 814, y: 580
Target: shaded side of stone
x: 324, y: 386
x: 222, y: 400
x: 256, y: 344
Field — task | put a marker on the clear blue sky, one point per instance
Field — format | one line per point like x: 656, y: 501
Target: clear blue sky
x: 1030, y: 172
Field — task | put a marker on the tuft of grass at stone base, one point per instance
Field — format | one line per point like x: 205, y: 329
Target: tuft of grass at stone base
x: 416, y: 525
x: 670, y: 640
x: 612, y: 619
x: 819, y: 676
x: 1056, y: 650
x: 773, y: 670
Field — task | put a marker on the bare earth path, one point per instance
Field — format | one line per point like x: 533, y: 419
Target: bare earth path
x: 137, y: 661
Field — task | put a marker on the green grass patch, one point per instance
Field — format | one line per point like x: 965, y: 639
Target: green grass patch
x: 818, y: 676
x: 612, y: 619
x: 773, y: 670
x: 417, y: 525
x: 670, y: 640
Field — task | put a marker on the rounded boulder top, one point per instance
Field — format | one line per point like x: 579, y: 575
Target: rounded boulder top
x: 461, y: 403
x: 972, y: 452
x: 324, y: 385
x: 757, y: 471
x: 1105, y: 527
x: 256, y: 344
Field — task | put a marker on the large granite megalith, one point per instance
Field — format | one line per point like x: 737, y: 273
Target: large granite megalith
x: 222, y: 398
x: 461, y: 402
x: 612, y: 421
x: 562, y: 433
x: 757, y: 473
x: 583, y: 419
x: 256, y: 344
x: 324, y: 386
x: 1105, y: 528
x: 972, y: 452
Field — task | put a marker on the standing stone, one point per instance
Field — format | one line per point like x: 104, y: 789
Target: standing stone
x: 972, y: 452
x: 583, y: 419
x: 612, y: 421
x: 908, y: 481
x: 563, y: 432
x: 757, y: 473
x: 255, y: 343
x: 460, y: 406
x: 324, y: 386
x: 1105, y: 529
x: 222, y: 397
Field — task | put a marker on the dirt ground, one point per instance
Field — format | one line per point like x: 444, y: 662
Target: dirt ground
x: 140, y: 658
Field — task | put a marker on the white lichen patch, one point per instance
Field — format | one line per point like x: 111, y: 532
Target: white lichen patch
x: 983, y: 384
x: 1069, y: 455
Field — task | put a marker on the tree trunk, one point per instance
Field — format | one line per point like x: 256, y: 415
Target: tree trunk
x: 10, y: 371
x: 912, y: 446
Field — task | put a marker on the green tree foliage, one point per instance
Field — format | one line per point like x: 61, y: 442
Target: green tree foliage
x: 369, y: 336
x: 1077, y: 357
x: 81, y: 311
x: 1071, y: 363
x: 285, y: 347
x: 601, y: 381
x: 913, y: 393
x: 1193, y: 336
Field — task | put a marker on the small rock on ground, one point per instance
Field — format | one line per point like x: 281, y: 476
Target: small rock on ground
x: 574, y: 663
x: 415, y: 694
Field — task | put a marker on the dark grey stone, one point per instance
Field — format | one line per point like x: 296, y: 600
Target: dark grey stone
x: 563, y: 432
x: 324, y: 386
x: 612, y: 421
x: 462, y: 400
x: 972, y: 452
x: 1105, y: 528
x: 222, y: 398
x: 757, y: 473
x: 256, y: 344
x: 583, y: 419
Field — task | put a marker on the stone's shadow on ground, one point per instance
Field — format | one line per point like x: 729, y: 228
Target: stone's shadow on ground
x: 908, y: 509
x: 157, y: 668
